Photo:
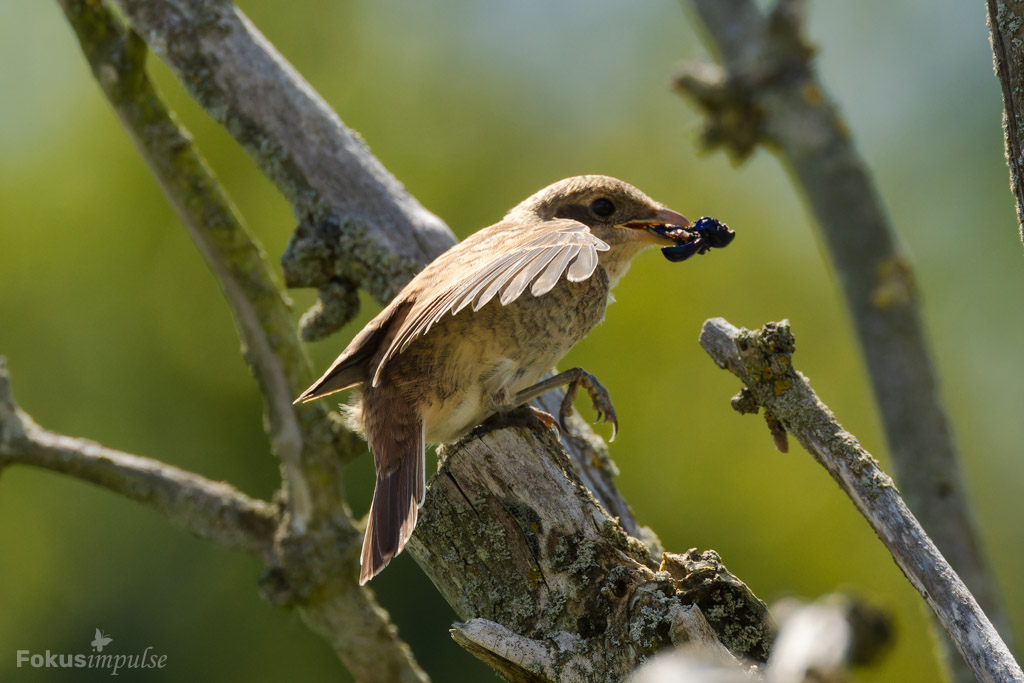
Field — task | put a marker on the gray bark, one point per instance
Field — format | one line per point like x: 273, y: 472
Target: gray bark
x: 1006, y: 26
x: 767, y: 92
x: 552, y: 587
x: 763, y: 361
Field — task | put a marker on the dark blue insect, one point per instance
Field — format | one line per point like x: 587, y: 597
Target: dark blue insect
x: 707, y: 233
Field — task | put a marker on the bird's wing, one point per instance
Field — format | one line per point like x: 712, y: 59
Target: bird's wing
x: 505, y: 268
x: 352, y: 366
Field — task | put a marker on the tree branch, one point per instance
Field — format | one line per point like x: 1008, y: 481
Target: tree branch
x: 1006, y: 25
x: 379, y: 236
x: 313, y: 565
x: 763, y: 362
x: 262, y: 317
x: 551, y: 586
x: 767, y: 92
x: 208, y: 509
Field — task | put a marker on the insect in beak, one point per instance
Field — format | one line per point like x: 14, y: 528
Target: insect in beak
x: 695, y: 238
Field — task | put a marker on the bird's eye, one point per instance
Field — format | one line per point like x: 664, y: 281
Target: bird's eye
x: 602, y: 208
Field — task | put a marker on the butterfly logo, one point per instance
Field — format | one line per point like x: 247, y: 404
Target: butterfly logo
x: 101, y: 641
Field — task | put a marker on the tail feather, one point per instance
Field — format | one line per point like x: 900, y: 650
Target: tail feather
x: 399, y: 454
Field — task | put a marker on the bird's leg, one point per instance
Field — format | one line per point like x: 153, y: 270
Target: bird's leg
x: 574, y: 378
x: 503, y: 402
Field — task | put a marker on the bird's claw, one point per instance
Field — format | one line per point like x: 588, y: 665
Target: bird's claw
x: 547, y: 418
x: 599, y: 398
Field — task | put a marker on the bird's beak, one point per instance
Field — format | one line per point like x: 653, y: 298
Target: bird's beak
x: 664, y: 227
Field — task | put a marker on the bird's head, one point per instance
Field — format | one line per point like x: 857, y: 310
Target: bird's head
x: 615, y: 211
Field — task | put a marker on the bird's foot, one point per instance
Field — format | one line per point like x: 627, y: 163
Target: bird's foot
x: 506, y: 413
x: 599, y: 398
x: 547, y: 418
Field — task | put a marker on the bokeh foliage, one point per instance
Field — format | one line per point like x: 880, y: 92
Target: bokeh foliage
x: 115, y: 331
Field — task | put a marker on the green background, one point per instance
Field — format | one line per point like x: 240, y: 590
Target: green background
x: 114, y: 330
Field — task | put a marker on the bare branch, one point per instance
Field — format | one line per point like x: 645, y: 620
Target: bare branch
x: 360, y: 226
x: 208, y: 509
x: 312, y: 564
x: 343, y: 613
x: 763, y: 362
x: 1005, y: 20
x: 262, y: 318
x: 768, y: 92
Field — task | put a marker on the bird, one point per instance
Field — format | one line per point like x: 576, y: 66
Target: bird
x: 475, y: 332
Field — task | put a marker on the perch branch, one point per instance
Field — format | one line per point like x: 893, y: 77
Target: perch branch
x: 211, y: 510
x: 767, y: 92
x: 763, y: 362
x: 550, y: 586
x: 1006, y: 26
x: 235, y: 74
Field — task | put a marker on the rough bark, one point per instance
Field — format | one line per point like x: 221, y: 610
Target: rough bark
x: 1006, y: 26
x: 551, y: 586
x: 763, y: 361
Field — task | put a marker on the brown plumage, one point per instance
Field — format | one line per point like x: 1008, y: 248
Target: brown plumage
x: 475, y: 331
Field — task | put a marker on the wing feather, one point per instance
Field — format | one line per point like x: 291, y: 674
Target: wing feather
x: 500, y: 280
x: 583, y: 267
x: 556, y: 266
x: 528, y: 272
x: 536, y: 263
x: 467, y: 293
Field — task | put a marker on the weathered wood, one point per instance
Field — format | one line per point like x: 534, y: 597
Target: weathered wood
x: 763, y: 361
x: 552, y: 587
x: 767, y: 91
x: 1005, y: 23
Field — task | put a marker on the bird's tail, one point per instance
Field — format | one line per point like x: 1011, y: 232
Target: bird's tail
x: 398, y: 446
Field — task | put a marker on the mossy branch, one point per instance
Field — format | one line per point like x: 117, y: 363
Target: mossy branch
x: 308, y: 442
x: 549, y: 586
